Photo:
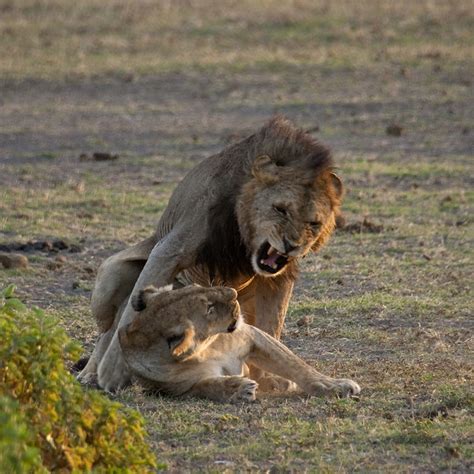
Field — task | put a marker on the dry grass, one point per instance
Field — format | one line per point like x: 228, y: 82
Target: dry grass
x: 165, y: 84
x: 68, y: 39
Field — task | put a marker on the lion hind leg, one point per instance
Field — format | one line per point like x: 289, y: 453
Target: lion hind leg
x: 115, y: 281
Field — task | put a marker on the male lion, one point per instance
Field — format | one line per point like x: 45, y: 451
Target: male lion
x: 242, y: 219
x: 192, y: 341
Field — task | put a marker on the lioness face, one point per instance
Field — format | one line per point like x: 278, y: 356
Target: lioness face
x: 174, y: 325
x: 287, y: 214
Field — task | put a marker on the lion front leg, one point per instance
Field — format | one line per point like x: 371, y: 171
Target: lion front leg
x: 88, y: 375
x: 267, y: 311
x: 269, y: 354
x: 233, y: 389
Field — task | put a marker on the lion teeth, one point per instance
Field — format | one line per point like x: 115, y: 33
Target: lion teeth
x: 271, y: 265
x: 271, y: 251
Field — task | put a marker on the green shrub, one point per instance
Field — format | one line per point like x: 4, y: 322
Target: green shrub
x: 48, y: 421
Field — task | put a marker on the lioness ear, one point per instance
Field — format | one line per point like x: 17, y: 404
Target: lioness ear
x: 265, y: 170
x: 337, y: 184
x: 140, y: 300
x: 185, y: 344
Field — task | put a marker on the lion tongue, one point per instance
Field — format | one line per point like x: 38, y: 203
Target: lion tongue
x: 272, y: 255
x: 271, y: 260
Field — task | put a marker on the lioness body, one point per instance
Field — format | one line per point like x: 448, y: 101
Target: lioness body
x: 242, y: 219
x: 192, y: 341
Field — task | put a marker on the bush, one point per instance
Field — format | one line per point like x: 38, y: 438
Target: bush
x: 47, y: 420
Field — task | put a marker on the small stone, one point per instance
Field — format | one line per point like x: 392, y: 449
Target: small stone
x: 13, y: 260
x: 60, y: 244
x: 340, y: 222
x: 44, y: 245
x: 304, y: 321
x: 394, y: 130
x: 88, y: 269
x: 74, y: 248
x: 100, y: 156
x: 79, y: 187
x: 52, y: 265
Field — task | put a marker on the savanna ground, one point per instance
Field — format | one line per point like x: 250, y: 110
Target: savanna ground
x: 165, y: 84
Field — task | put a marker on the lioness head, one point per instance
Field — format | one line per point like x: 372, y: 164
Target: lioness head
x: 172, y: 325
x: 289, y: 204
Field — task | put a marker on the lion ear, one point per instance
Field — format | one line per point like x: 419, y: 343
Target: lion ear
x: 265, y: 170
x: 185, y: 344
x: 337, y: 185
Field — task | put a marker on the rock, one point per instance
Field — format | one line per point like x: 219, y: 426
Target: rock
x: 394, y: 130
x: 13, y: 260
x: 304, y: 321
x: 100, y: 156
x: 57, y: 263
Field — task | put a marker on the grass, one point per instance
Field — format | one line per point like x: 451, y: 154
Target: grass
x: 164, y: 84
x: 66, y: 38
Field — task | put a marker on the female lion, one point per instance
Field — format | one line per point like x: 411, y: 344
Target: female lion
x: 193, y: 341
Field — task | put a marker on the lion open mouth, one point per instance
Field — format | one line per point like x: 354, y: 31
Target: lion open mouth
x: 270, y: 260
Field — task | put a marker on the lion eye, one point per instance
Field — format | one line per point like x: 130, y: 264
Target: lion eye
x: 280, y: 210
x: 315, y: 224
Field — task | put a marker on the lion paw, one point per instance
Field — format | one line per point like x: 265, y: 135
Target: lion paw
x: 88, y: 375
x: 113, y: 376
x: 245, y: 391
x: 337, y: 387
x: 89, y: 379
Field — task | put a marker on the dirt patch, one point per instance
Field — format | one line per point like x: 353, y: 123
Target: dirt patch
x: 52, y: 246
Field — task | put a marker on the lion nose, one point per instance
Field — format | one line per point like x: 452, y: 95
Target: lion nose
x: 289, y: 247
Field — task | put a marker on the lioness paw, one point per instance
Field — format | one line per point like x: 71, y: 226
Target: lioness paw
x: 273, y: 383
x: 246, y: 391
x: 336, y: 387
x: 346, y: 387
